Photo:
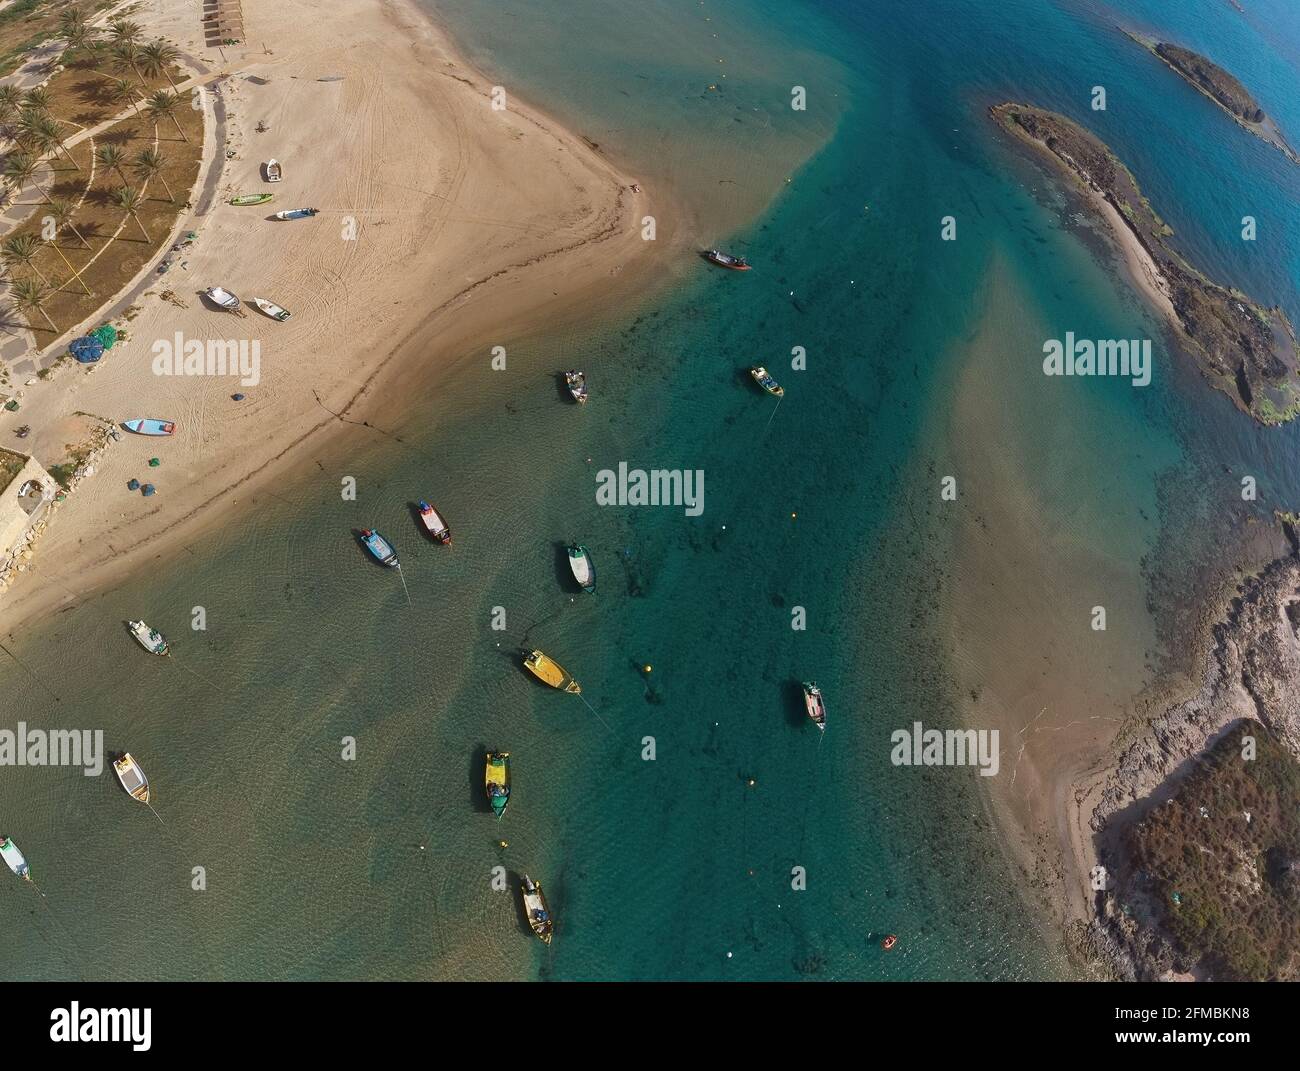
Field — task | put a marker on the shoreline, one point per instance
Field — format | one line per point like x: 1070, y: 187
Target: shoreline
x: 549, y: 254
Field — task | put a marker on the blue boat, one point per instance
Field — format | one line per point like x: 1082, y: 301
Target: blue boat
x: 145, y: 426
x: 379, y: 547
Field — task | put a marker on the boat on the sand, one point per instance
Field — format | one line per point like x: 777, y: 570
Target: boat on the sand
x: 245, y: 199
x: 219, y: 295
x: 132, y: 777
x: 276, y: 312
x: 149, y: 426
x: 379, y: 547
x: 496, y: 781
x: 725, y: 260
x: 536, y: 909
x: 295, y: 213
x: 580, y: 564
x: 150, y: 639
x: 274, y: 172
x: 549, y: 671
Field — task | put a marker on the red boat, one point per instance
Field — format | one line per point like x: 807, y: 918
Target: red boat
x: 815, y: 704
x: 725, y: 260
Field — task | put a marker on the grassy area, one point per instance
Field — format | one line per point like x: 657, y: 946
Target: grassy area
x: 1227, y: 890
x: 30, y: 23
x: 98, y: 218
x: 11, y: 465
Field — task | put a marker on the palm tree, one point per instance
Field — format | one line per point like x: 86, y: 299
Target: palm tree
x: 37, y: 100
x: 30, y: 295
x: 61, y: 212
x: 22, y: 249
x: 127, y: 54
x: 130, y: 201
x: 124, y: 91
x: 149, y: 164
x: 164, y: 103
x: 20, y: 169
x: 125, y: 30
x: 157, y: 58
x: 9, y: 101
x: 72, y: 20
x: 95, y: 49
x: 112, y: 156
x: 46, y: 137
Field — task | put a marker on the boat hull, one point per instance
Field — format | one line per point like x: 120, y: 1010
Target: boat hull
x: 132, y: 778
x: 580, y: 565
x: 150, y: 639
x: 549, y: 671
x: 149, y: 426
x: 248, y: 199
x: 379, y: 548
x: 814, y: 704
x: 433, y: 523
x: 496, y: 780
x: 15, y: 859
x: 536, y: 910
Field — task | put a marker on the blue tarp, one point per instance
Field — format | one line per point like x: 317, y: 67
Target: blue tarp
x: 87, y: 349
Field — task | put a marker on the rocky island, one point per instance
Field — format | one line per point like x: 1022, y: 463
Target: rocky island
x: 1198, y: 824
x: 1224, y: 89
x: 1248, y: 351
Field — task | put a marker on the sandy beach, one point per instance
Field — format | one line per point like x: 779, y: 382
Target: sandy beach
x: 445, y: 228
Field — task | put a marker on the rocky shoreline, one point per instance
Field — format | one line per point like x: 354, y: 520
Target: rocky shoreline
x: 1251, y: 670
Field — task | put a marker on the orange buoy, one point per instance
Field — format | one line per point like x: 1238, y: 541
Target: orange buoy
x: 889, y: 942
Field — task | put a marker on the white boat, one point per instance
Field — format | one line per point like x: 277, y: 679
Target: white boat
x: 274, y: 172
x: 15, y: 859
x: 580, y: 565
x: 219, y: 295
x: 132, y: 777
x: 150, y: 639
x: 577, y: 383
x: 271, y: 309
x: 295, y: 213
x: 434, y: 524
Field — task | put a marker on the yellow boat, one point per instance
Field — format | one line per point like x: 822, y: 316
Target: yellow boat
x: 549, y: 671
x: 497, y: 781
x: 537, y: 910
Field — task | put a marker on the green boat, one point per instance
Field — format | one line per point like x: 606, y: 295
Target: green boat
x: 251, y: 199
x: 497, y: 781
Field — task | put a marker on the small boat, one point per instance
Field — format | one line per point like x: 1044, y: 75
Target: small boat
x: 18, y: 864
x: 539, y: 915
x: 577, y: 384
x: 889, y: 941
x: 132, y: 777
x: 584, y: 572
x: 815, y: 704
x: 764, y: 379
x: 725, y: 260
x: 219, y: 295
x: 271, y: 309
x: 150, y: 639
x: 148, y: 426
x: 497, y: 780
x: 245, y: 199
x: 380, y: 549
x: 549, y: 671
x: 274, y: 172
x: 295, y: 213
x: 434, y: 524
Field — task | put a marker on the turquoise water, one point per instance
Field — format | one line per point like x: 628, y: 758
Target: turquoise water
x: 923, y: 359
